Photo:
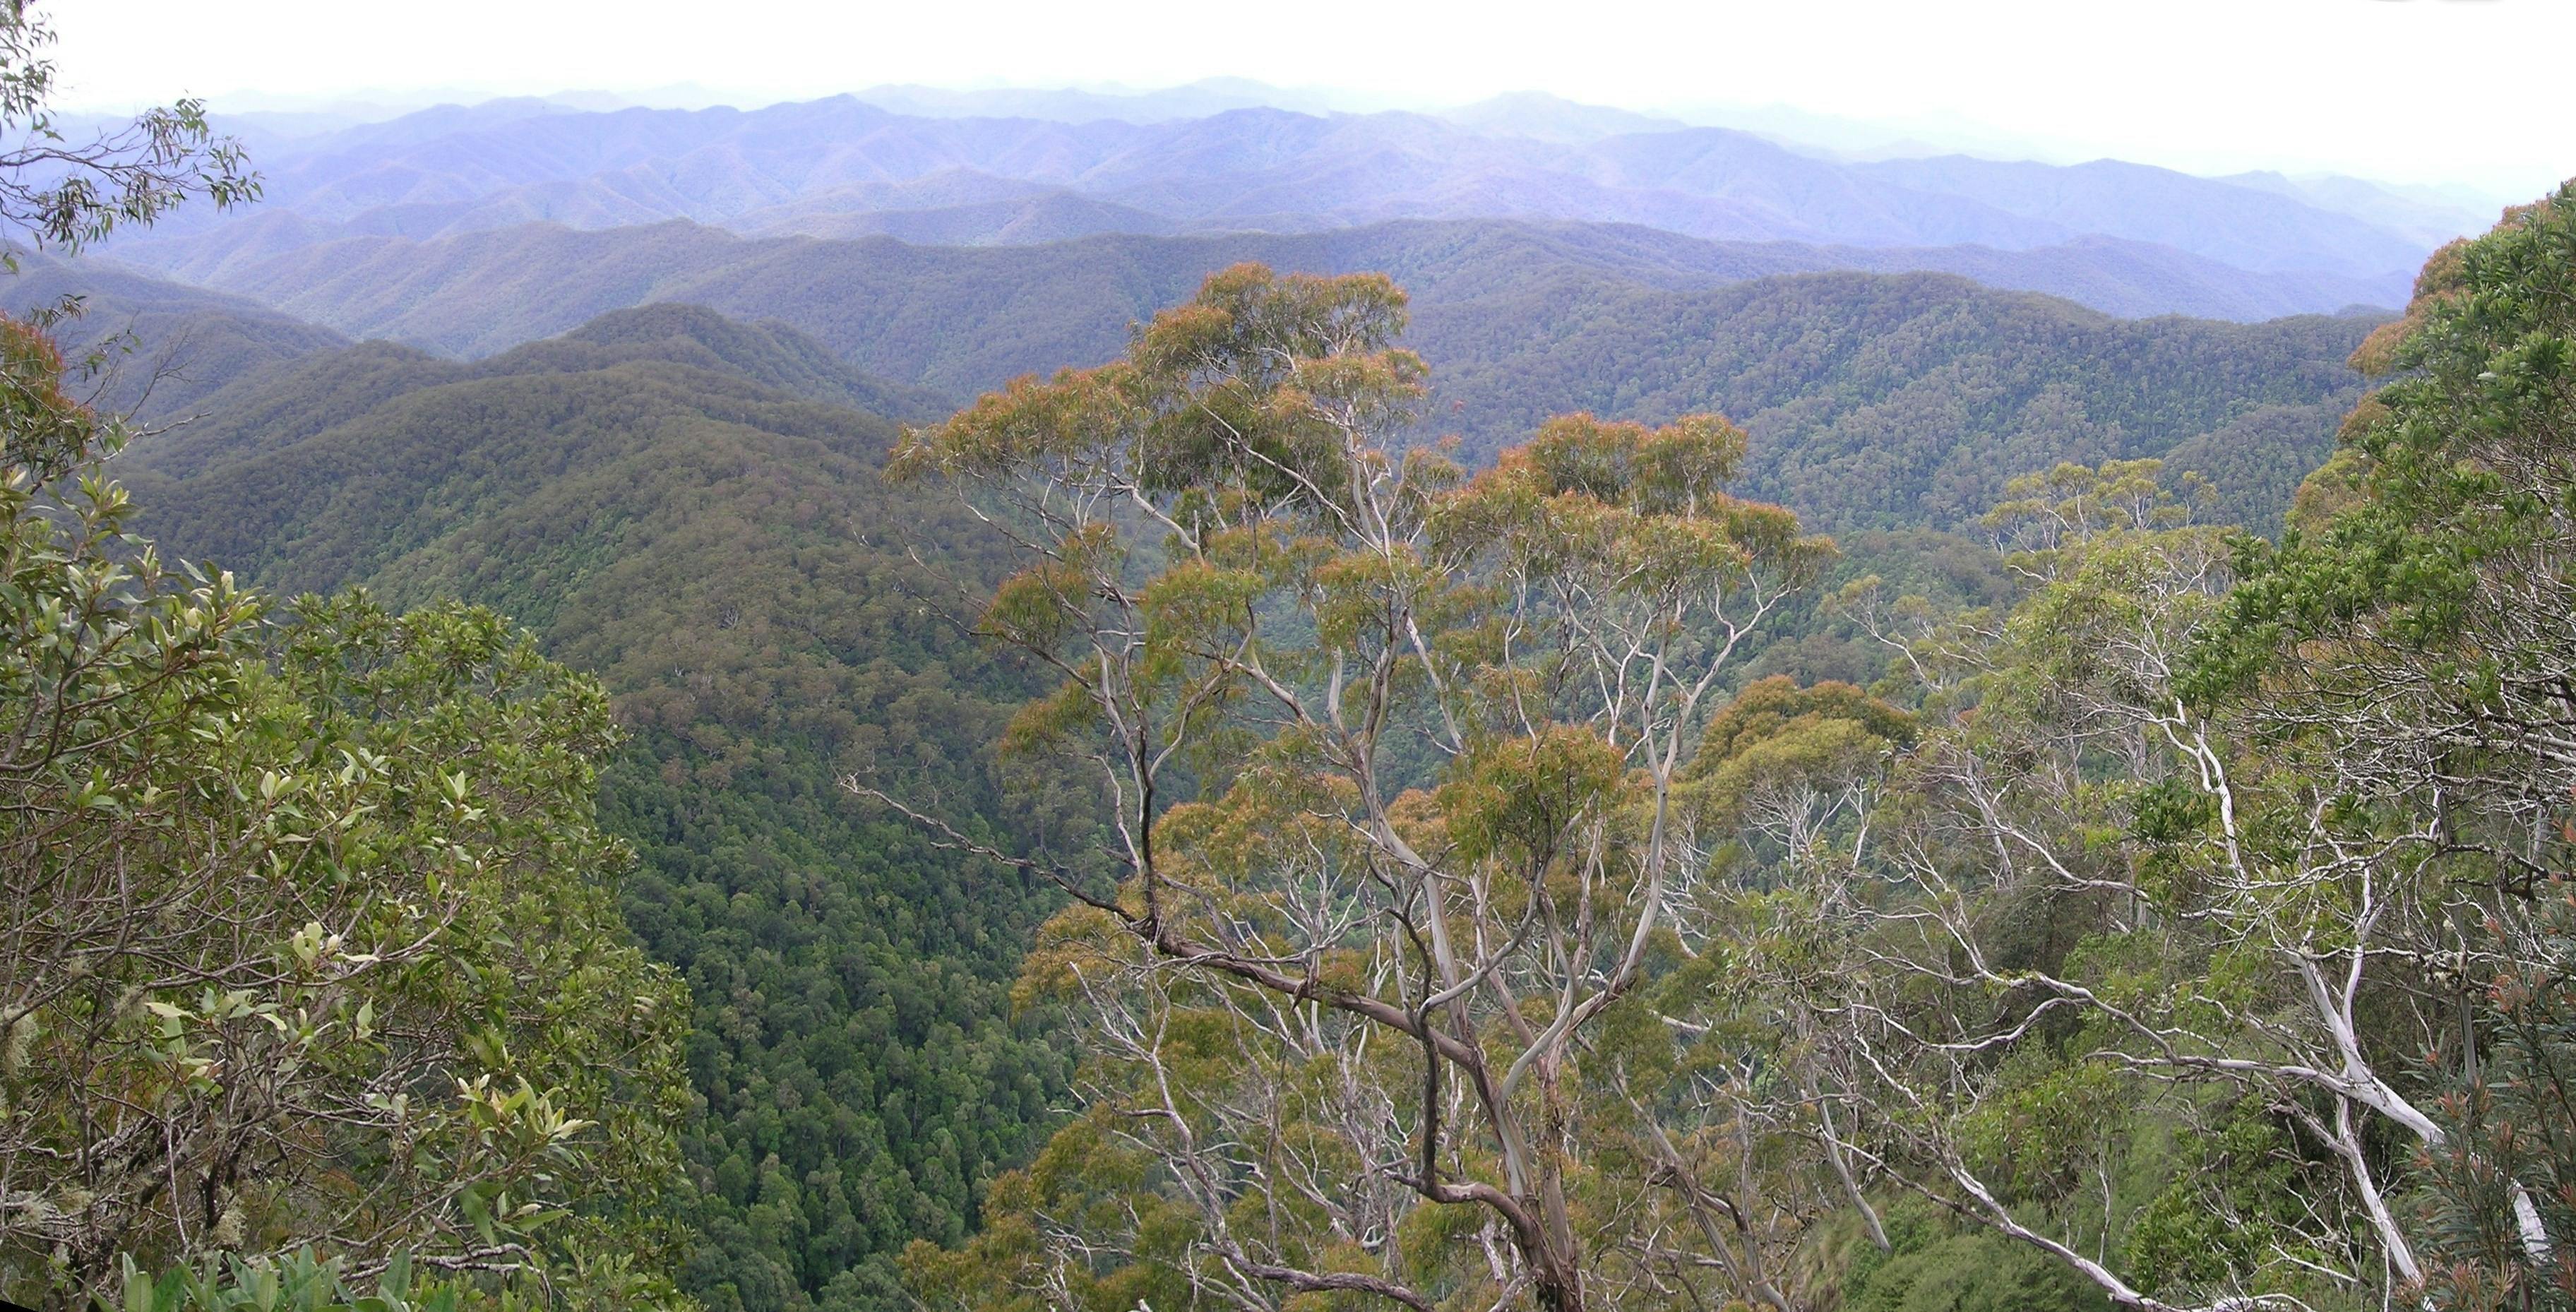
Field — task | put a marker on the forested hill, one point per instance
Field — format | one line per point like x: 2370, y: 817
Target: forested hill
x: 654, y: 497
x: 1911, y: 400
x: 265, y: 405
x: 164, y: 346
x: 1881, y: 400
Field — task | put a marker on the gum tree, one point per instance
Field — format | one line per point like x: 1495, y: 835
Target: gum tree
x: 67, y: 188
x: 1392, y: 762
x: 2422, y: 621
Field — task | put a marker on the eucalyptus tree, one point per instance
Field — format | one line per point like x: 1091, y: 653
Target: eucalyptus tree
x: 2423, y: 623
x: 2107, y: 910
x: 1393, y: 763
x: 68, y: 185
x: 2265, y: 842
x: 2225, y: 835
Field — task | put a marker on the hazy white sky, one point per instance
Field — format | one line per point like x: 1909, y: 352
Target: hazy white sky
x: 2469, y: 91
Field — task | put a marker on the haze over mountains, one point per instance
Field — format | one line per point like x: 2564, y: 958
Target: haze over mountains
x: 2124, y: 238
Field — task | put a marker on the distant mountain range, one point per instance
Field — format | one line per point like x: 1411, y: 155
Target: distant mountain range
x: 475, y: 292
x: 844, y: 167
x: 480, y: 292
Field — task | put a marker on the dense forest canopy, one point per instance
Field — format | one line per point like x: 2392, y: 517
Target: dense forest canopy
x: 650, y: 502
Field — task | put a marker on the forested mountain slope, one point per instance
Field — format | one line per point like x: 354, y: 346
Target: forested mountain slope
x: 1876, y: 400
x: 165, y: 346
x: 668, y: 499
x: 1908, y: 400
